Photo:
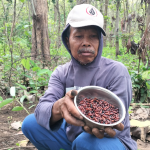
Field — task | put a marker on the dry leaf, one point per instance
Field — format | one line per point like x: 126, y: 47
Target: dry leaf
x: 23, y: 143
x: 16, y: 125
x: 140, y: 113
x: 20, y: 132
x: 137, y: 123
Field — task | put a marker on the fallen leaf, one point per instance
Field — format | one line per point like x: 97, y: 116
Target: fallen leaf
x: 137, y: 123
x: 16, y: 125
x: 20, y: 132
x: 23, y: 143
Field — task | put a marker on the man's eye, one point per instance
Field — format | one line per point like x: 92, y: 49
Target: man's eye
x: 94, y: 36
x: 78, y: 36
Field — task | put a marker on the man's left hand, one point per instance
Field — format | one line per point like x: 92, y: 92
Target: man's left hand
x: 100, y: 133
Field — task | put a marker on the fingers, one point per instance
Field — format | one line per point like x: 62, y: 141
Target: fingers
x: 98, y: 133
x: 69, y: 111
x: 69, y: 118
x: 88, y: 129
x: 119, y: 127
x: 110, y: 131
x: 70, y: 104
x: 73, y: 93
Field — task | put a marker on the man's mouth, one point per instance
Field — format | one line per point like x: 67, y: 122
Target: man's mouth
x: 86, y: 52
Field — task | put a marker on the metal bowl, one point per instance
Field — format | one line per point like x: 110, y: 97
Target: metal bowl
x: 100, y: 93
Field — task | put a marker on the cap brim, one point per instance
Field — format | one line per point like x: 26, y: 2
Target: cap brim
x: 86, y: 23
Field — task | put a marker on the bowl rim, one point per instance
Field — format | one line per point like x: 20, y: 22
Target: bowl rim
x: 106, y: 90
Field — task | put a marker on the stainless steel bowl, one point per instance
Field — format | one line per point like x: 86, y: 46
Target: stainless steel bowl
x: 100, y: 93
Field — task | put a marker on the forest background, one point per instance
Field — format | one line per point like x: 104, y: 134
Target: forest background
x: 31, y: 46
x: 31, y: 49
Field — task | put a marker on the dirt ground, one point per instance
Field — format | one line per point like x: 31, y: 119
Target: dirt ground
x: 9, y: 136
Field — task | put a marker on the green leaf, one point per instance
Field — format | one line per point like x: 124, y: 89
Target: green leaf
x: 22, y: 1
x: 17, y: 108
x: 55, y: 68
x: 22, y: 86
x: 33, y: 63
x: 26, y: 63
x: 22, y: 98
x: 43, y: 71
x: 31, y: 106
x: 5, y: 102
x: 144, y: 106
x: 17, y: 144
x: 143, y: 98
x: 41, y: 79
x: 148, y: 85
x: 27, y: 76
x: 142, y: 91
x: 36, y: 68
x: 146, y: 75
x: 130, y: 111
x: 50, y: 72
x: 33, y: 91
x: 1, y: 99
x: 148, y: 94
x: 130, y: 107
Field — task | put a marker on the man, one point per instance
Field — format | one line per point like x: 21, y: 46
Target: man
x: 56, y: 124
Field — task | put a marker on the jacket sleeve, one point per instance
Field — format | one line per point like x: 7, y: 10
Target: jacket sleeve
x: 121, y: 85
x: 55, y: 91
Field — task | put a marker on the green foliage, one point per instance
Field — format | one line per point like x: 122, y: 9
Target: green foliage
x: 53, y: 1
x: 141, y: 85
x: 31, y: 76
x: 140, y: 81
x: 26, y: 63
x: 23, y: 98
x: 42, y: 72
x: 17, y: 108
x: 22, y: 1
x: 22, y: 86
x: 5, y: 102
x: 130, y: 109
x: 1, y: 99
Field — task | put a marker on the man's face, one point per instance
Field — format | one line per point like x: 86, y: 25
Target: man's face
x: 83, y: 43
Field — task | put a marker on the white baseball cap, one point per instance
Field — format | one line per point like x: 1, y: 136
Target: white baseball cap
x: 85, y: 15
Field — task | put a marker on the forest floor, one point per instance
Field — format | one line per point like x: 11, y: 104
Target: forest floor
x: 9, y: 137
x: 13, y: 139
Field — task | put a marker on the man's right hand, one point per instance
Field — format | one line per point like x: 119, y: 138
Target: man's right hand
x: 65, y: 108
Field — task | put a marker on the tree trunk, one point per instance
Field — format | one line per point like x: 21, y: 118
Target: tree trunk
x: 59, y: 22
x: 95, y: 4
x: 64, y: 13
x: 55, y: 12
x: 148, y: 34
x: 83, y: 2
x: 101, y: 6
x: 117, y: 27
x: 11, y: 43
x: 40, y: 39
x: 105, y: 20
x: 127, y: 15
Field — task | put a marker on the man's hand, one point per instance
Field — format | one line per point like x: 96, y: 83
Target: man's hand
x: 100, y: 133
x: 65, y: 108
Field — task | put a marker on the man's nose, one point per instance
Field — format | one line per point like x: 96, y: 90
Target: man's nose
x: 86, y: 42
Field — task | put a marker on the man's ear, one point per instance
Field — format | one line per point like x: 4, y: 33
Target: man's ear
x: 67, y: 42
